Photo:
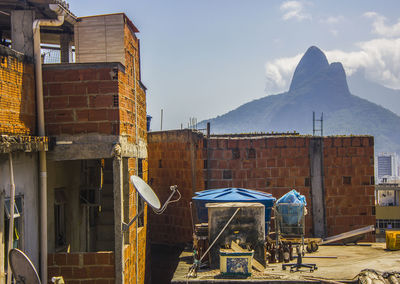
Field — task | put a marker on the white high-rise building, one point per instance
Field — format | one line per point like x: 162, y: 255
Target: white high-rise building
x: 387, y: 169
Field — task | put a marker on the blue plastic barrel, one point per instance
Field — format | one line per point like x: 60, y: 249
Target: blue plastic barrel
x: 222, y: 195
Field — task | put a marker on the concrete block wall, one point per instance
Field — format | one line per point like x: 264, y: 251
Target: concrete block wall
x: 17, y: 85
x: 349, y: 183
x: 129, y: 83
x: 269, y: 164
x: 273, y: 164
x: 175, y: 158
x: 81, y: 99
x: 82, y: 267
x: 130, y: 245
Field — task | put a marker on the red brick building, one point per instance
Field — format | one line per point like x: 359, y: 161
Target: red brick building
x: 336, y: 175
x: 95, y: 117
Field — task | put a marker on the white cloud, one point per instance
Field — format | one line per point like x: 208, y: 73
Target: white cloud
x: 294, y: 10
x: 331, y: 20
x: 380, y: 58
x: 279, y: 73
x: 380, y: 27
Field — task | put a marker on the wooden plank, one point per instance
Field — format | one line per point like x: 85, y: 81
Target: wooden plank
x: 255, y: 264
x: 349, y: 234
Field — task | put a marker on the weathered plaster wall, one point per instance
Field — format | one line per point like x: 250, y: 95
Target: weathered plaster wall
x: 25, y: 179
x: 66, y: 175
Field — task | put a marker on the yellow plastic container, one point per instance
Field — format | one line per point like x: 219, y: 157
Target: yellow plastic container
x: 235, y: 263
x: 393, y: 240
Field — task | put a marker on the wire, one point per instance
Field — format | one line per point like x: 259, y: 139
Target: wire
x: 164, y: 207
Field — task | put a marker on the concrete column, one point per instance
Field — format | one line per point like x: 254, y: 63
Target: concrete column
x: 317, y: 187
x: 22, y: 31
x: 66, y: 48
x: 118, y: 218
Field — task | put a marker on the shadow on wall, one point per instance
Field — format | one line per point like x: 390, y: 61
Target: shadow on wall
x: 164, y: 261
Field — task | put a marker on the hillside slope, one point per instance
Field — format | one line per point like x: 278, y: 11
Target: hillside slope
x: 316, y: 86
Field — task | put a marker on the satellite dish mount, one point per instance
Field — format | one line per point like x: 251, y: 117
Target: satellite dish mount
x: 147, y: 193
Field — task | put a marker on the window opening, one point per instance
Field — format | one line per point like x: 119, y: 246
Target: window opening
x: 59, y: 218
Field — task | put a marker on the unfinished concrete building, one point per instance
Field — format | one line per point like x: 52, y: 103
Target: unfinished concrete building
x: 95, y: 117
x: 336, y: 175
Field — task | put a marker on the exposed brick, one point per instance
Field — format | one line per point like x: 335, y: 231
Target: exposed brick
x: 89, y: 259
x: 60, y: 259
x: 100, y: 101
x: 72, y: 259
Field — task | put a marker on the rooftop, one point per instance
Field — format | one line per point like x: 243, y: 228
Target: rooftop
x: 346, y: 264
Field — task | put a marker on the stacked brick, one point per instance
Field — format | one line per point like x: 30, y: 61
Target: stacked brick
x: 273, y: 164
x: 269, y: 164
x: 85, y: 267
x: 349, y: 183
x: 17, y: 100
x: 81, y: 99
x: 129, y: 83
x: 175, y: 158
x: 130, y: 247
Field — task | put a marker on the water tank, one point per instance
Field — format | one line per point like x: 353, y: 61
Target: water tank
x: 231, y: 194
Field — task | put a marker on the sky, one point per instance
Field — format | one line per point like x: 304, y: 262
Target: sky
x: 203, y: 58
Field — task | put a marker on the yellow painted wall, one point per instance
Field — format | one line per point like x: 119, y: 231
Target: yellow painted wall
x: 388, y: 212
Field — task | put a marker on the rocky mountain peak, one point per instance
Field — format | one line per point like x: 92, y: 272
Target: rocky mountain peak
x: 315, y: 73
x: 312, y: 62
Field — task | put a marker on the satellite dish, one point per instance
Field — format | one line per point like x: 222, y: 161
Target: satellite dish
x: 22, y: 268
x: 146, y: 192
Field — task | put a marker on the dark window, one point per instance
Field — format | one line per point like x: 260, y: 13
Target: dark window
x: 372, y: 180
x: 251, y: 153
x: 268, y: 182
x: 236, y: 153
x: 205, y: 164
x: 115, y: 100
x: 160, y: 164
x: 59, y: 218
x: 347, y: 180
x: 227, y: 174
x: 307, y: 181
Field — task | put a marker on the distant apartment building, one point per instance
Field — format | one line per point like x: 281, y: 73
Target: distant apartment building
x: 387, y: 167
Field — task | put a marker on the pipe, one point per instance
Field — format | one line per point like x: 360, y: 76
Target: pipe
x: 41, y: 131
x: 11, y: 224
x: 137, y: 171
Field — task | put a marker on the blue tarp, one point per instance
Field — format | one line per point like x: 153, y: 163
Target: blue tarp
x: 291, y: 207
x: 292, y: 197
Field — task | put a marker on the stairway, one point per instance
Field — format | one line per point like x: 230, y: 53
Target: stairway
x: 104, y: 221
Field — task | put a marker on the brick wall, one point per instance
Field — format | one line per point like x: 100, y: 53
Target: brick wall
x: 349, y: 183
x: 175, y: 158
x: 17, y: 99
x: 82, y: 267
x: 93, y: 98
x: 81, y: 98
x: 129, y: 101
x: 273, y: 164
x: 130, y: 247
